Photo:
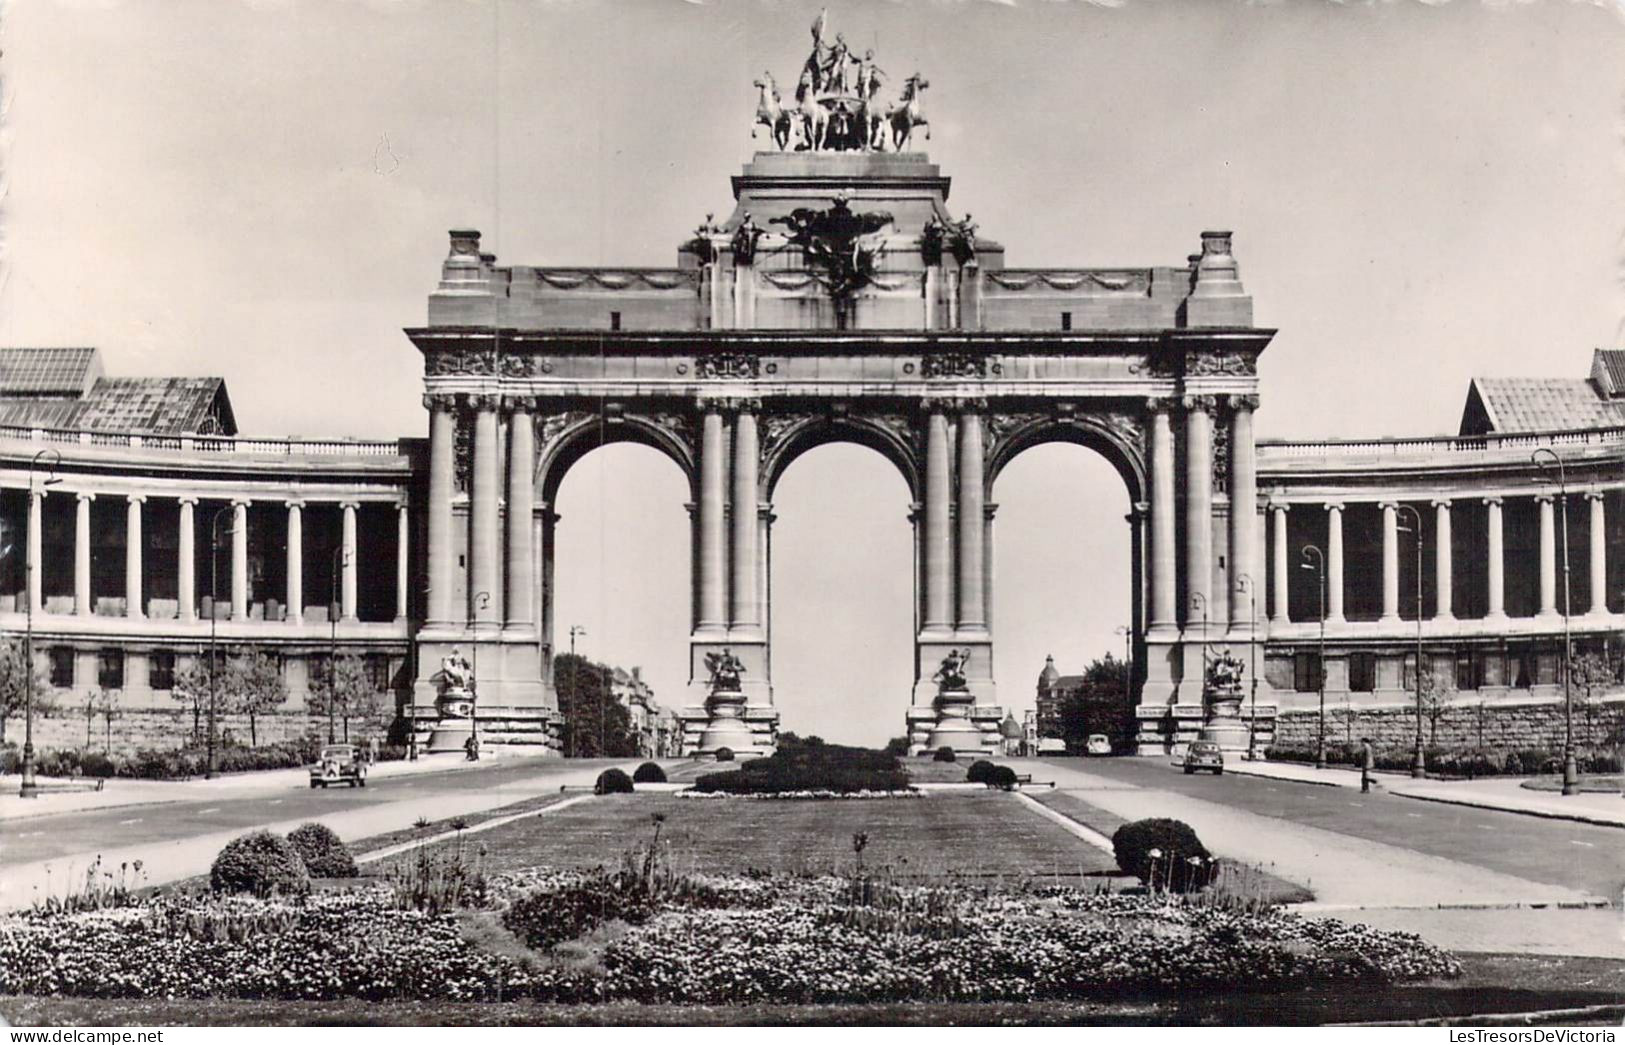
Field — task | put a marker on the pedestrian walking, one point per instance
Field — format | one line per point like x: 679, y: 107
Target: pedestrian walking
x: 1368, y: 762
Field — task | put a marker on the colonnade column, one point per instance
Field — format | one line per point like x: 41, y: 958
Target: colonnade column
x: 1390, y: 562
x: 746, y: 520
x: 33, y: 567
x: 1495, y: 564
x: 972, y: 521
x: 1548, y: 556
x: 1599, y: 552
x: 296, y: 562
x: 81, y: 554
x: 1334, y: 564
x: 519, y: 587
x: 239, y: 560
x: 1198, y: 505
x: 1443, y: 569
x: 442, y: 479
x: 347, y: 569
x: 1243, y: 508
x: 1164, y: 554
x: 186, y: 561
x: 713, y: 550
x: 134, y: 604
x: 549, y: 520
x: 938, y: 550
x: 1278, y: 568
x: 403, y: 562
x: 484, y: 524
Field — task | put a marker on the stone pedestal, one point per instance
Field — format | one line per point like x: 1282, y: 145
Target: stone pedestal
x: 1224, y: 725
x: 954, y: 728
x: 725, y: 725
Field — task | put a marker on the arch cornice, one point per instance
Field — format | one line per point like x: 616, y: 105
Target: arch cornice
x: 1116, y: 434
x: 786, y: 437
x: 565, y: 436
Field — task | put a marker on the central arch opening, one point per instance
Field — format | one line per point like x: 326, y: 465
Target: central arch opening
x: 842, y: 596
x: 1063, y: 578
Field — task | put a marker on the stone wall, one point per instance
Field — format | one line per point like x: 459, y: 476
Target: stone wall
x: 1507, y: 727
x: 164, y: 729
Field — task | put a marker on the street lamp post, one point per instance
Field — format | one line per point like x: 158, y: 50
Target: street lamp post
x: 482, y: 599
x: 1128, y: 660
x: 1419, y: 765
x: 1571, y: 776
x: 30, y: 786
x: 1244, y: 582
x: 214, y: 620
x: 1315, y: 559
x: 575, y: 690
x: 341, y: 558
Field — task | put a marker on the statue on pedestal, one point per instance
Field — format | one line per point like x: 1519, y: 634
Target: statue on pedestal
x: 950, y: 674
x: 455, y: 673
x: 725, y: 669
x: 1224, y: 675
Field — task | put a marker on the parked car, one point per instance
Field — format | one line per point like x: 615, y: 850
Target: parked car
x: 339, y: 764
x: 1204, y: 754
x: 1098, y: 744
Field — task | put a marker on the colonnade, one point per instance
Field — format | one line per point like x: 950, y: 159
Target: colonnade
x: 185, y: 572
x: 1443, y: 608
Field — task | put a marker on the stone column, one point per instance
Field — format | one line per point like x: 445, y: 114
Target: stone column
x: 1495, y: 564
x: 403, y: 562
x: 1443, y: 575
x: 484, y: 522
x: 442, y: 485
x: 746, y: 520
x: 521, y: 613
x: 1334, y: 564
x: 972, y: 521
x: 938, y: 547
x: 987, y: 556
x: 1198, y: 506
x: 239, y: 560
x: 1390, y: 562
x: 296, y: 562
x: 713, y: 572
x: 1164, y: 553
x: 186, y: 561
x: 1548, y: 556
x: 764, y: 570
x: 134, y: 602
x: 81, y: 555
x: 347, y: 563
x: 549, y: 522
x: 1279, y: 569
x: 1598, y: 561
x: 34, y: 567
x: 1243, y: 507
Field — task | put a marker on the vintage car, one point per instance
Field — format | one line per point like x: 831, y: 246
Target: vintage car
x: 339, y: 764
x: 1204, y: 754
x: 1098, y: 744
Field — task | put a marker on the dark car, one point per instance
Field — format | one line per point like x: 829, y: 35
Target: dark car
x: 339, y: 764
x: 1204, y: 754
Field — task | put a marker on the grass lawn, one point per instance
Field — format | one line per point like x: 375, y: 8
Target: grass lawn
x: 1492, y: 983
x: 1601, y: 783
x: 925, y: 770
x: 958, y: 833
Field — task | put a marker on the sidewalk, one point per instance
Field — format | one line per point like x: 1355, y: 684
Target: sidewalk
x: 119, y: 792
x: 1503, y: 793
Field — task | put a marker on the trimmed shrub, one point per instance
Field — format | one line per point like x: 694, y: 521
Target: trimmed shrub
x: 649, y: 773
x: 978, y: 771
x: 324, y: 855
x: 820, y: 767
x: 944, y: 754
x: 1002, y: 777
x: 1163, y: 854
x: 725, y: 754
x: 612, y: 782
x: 260, y: 863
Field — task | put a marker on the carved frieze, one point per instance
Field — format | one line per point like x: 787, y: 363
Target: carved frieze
x: 958, y: 365
x: 680, y: 425
x: 518, y: 366
x: 1221, y: 458
x: 463, y: 451
x: 1221, y: 363
x: 477, y: 362
x: 728, y: 365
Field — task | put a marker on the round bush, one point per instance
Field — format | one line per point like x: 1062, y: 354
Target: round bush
x: 612, y: 782
x: 1163, y: 854
x: 944, y: 754
x: 978, y: 771
x: 649, y: 773
x: 1001, y: 777
x: 725, y: 754
x: 324, y: 855
x: 260, y: 863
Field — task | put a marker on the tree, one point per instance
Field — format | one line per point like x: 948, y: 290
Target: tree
x: 14, y: 683
x: 103, y: 703
x: 1099, y: 703
x: 191, y: 688
x: 1592, y: 676
x: 254, y: 687
x: 344, y: 692
x: 1437, y: 692
x: 897, y: 746
x: 589, y: 710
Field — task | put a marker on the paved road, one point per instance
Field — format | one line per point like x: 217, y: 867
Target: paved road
x: 1579, y: 856
x: 60, y: 835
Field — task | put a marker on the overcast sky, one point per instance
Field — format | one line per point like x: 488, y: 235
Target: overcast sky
x: 1420, y: 193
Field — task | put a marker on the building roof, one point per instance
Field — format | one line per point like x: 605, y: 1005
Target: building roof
x: 1047, y: 677
x: 1608, y: 372
x: 64, y: 388
x: 1537, y: 404
x: 1010, y: 729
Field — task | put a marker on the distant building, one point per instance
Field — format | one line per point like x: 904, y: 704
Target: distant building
x: 1011, y: 735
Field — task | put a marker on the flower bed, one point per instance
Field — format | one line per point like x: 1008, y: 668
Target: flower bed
x: 819, y: 793
x: 813, y: 768
x: 704, y: 940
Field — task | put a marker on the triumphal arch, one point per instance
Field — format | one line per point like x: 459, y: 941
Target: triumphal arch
x: 841, y: 300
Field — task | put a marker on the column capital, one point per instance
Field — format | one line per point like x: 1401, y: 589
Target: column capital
x: 1441, y: 502
x: 294, y: 502
x: 478, y: 402
x: 84, y: 495
x: 191, y: 501
x: 937, y: 404
x: 136, y: 498
x: 1545, y: 497
x: 989, y: 509
x: 1595, y: 495
x: 1247, y: 402
x: 1493, y: 502
x: 1204, y: 404
x: 402, y: 503
x: 1389, y: 504
x: 518, y: 404
x: 970, y: 405
x: 1158, y: 404
x: 242, y: 502
x: 745, y: 405
x: 1333, y: 506
x: 350, y: 503
x: 445, y: 402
